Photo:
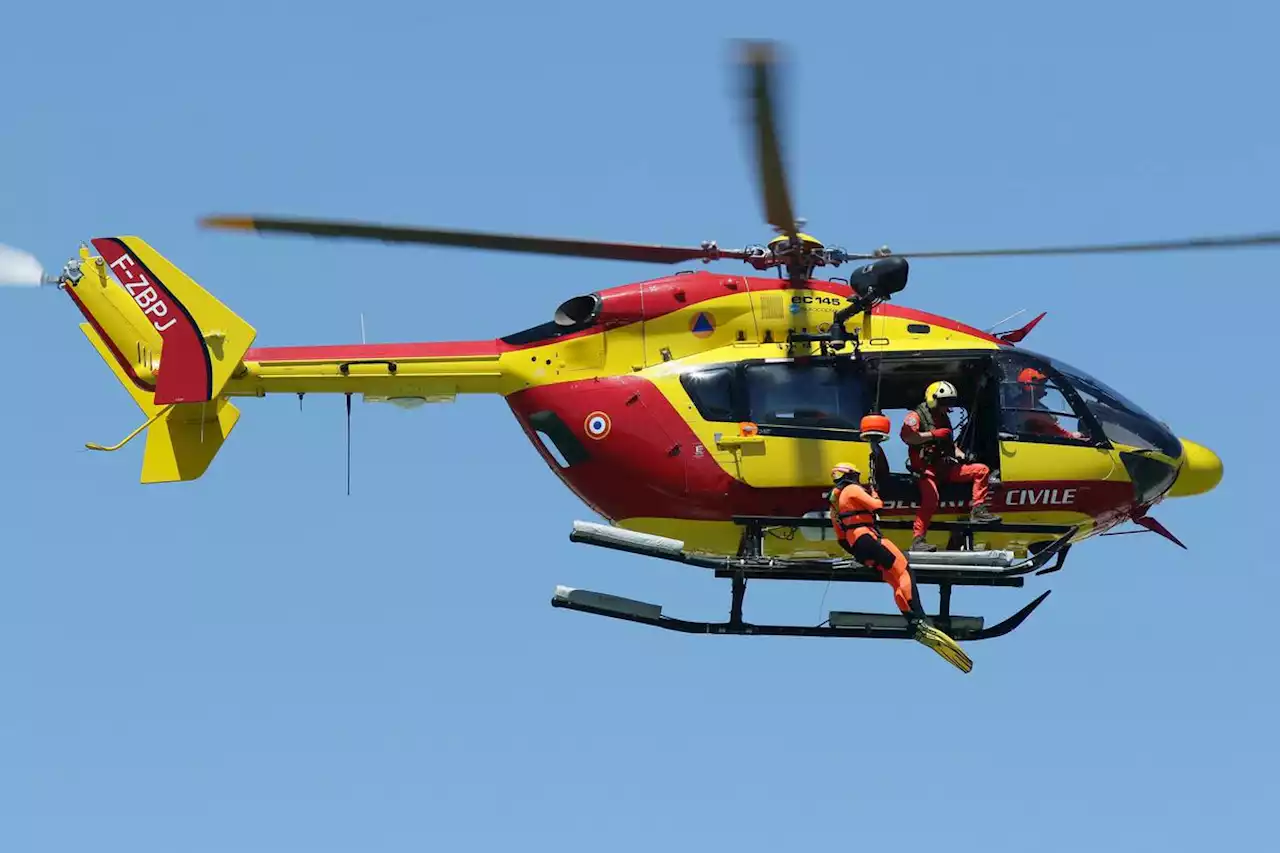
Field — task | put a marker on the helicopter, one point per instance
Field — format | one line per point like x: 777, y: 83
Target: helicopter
x: 699, y: 413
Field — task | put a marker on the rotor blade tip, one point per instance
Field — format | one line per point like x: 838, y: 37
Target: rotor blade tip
x: 243, y: 223
x: 757, y: 51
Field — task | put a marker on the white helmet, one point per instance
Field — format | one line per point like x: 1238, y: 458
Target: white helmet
x: 937, y: 392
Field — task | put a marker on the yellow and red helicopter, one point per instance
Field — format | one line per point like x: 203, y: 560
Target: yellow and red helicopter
x: 699, y: 413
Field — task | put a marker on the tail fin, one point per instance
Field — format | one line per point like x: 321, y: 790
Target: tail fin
x: 171, y: 344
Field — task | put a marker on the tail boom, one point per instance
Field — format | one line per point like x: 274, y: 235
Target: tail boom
x: 182, y: 356
x: 424, y: 370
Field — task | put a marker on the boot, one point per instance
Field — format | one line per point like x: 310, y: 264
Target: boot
x: 918, y: 622
x: 982, y: 515
x: 919, y: 544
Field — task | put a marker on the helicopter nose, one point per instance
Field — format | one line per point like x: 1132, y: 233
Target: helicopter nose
x: 1201, y: 472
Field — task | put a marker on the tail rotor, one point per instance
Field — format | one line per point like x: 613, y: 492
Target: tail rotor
x: 22, y: 269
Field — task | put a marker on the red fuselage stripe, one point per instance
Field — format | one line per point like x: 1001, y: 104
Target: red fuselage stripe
x: 340, y: 352
x: 692, y: 289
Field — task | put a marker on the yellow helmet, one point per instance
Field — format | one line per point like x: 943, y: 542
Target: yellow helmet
x: 937, y: 392
x: 810, y: 242
x: 840, y: 469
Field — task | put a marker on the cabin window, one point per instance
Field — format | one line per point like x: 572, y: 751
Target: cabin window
x: 1035, y: 407
x: 712, y: 393
x: 557, y: 439
x: 804, y: 396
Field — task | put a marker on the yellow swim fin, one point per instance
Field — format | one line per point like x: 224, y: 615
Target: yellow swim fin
x: 946, y: 647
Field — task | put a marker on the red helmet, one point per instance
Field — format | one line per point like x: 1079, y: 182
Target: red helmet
x: 1030, y: 378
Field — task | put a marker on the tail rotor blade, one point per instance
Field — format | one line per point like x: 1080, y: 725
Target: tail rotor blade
x: 19, y: 268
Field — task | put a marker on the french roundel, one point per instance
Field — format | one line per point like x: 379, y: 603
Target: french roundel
x: 597, y: 425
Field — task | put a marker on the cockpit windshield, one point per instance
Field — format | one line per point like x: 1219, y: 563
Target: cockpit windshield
x: 1122, y: 421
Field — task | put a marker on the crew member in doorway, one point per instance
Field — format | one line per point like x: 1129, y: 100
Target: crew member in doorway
x: 1029, y: 408
x: 933, y: 456
x: 856, y: 523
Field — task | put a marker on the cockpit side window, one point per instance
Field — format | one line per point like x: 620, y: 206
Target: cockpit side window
x: 1035, y: 407
x: 1123, y: 422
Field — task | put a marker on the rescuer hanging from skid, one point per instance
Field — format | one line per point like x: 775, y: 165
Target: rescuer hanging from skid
x: 856, y: 523
x: 932, y: 455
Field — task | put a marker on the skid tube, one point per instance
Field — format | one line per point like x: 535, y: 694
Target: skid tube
x: 945, y: 569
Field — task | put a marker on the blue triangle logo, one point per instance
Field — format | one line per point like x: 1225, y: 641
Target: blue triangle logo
x: 702, y: 325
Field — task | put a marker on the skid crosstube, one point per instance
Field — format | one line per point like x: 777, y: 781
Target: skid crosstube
x: 943, y: 568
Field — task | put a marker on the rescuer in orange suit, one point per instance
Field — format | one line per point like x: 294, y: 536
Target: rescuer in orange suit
x: 932, y: 454
x: 854, y: 518
x: 1031, y: 383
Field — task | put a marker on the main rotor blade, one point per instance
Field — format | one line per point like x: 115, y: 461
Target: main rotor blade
x: 471, y: 239
x: 759, y: 72
x: 1227, y: 242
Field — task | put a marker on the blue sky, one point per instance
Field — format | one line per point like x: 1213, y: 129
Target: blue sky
x: 257, y: 662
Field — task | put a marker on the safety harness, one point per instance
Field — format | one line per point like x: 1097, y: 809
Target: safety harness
x: 936, y: 449
x: 846, y: 521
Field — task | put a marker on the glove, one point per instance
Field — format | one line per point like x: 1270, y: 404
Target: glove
x: 941, y: 432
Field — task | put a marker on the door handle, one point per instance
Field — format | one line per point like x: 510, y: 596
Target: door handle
x: 739, y: 440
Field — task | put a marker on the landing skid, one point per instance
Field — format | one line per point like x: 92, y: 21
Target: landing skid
x: 839, y: 624
x: 946, y: 569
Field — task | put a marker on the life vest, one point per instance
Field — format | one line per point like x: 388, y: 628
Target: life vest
x: 861, y: 515
x: 924, y: 455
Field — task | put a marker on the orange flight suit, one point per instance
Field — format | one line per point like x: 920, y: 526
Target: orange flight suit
x: 853, y: 518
